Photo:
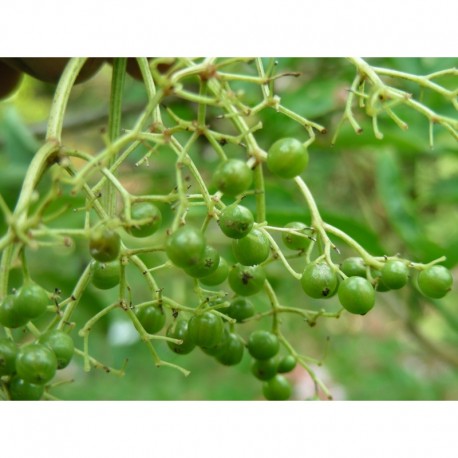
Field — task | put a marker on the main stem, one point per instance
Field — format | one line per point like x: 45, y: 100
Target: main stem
x: 114, y: 127
x: 61, y: 96
x: 40, y: 163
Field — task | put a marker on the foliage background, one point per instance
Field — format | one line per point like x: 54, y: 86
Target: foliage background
x: 394, y: 195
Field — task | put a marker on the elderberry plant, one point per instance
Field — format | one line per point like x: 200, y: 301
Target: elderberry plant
x: 207, y: 224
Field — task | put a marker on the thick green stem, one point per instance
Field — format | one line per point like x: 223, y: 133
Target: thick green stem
x: 275, y: 306
x: 262, y: 78
x: 150, y: 87
x: 34, y: 173
x: 420, y: 80
x: 114, y: 127
x: 279, y: 253
x: 39, y: 163
x: 202, y: 110
x: 19, y: 218
x: 260, y: 193
x: 61, y: 96
x: 80, y: 287
x: 365, y: 69
x: 5, y: 266
x: 117, y: 87
x: 368, y: 259
x: 317, y: 221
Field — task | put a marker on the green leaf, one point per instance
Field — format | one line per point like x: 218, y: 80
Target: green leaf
x: 314, y: 99
x: 410, y: 142
x: 357, y: 230
x: 19, y: 144
x: 451, y: 253
x: 282, y: 210
x: 445, y: 191
x: 391, y: 188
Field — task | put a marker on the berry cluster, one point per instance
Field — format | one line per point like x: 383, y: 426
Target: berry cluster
x: 222, y: 280
x: 30, y: 367
x: 212, y: 325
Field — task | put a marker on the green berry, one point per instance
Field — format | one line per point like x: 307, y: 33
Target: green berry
x: 179, y: 330
x: 185, y: 247
x: 435, y: 281
x: 106, y: 275
x: 296, y: 242
x: 240, y: 309
x: 286, y: 364
x: 8, y: 352
x: 147, y: 219
x: 36, y: 363
x: 287, y: 158
x: 31, y: 301
x: 263, y: 344
x: 152, y: 318
x: 218, y: 276
x: 104, y: 245
x: 277, y: 389
x: 232, y: 351
x: 319, y: 280
x: 252, y: 249
x: 206, y: 329
x: 246, y: 280
x: 207, y: 264
x: 354, y: 267
x: 395, y: 274
x: 356, y: 295
x: 10, y: 317
x: 21, y: 390
x: 233, y: 177
x: 236, y: 221
x: 61, y: 344
x: 264, y: 369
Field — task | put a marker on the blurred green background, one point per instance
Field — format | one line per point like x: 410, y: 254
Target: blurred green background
x: 394, y: 195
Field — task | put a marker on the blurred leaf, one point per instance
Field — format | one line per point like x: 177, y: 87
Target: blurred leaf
x: 314, y: 99
x: 11, y: 177
x: 19, y: 143
x: 452, y: 253
x: 359, y: 231
x: 282, y: 210
x: 386, y: 369
x: 407, y: 142
x: 17, y: 146
x: 445, y: 190
x: 391, y: 187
